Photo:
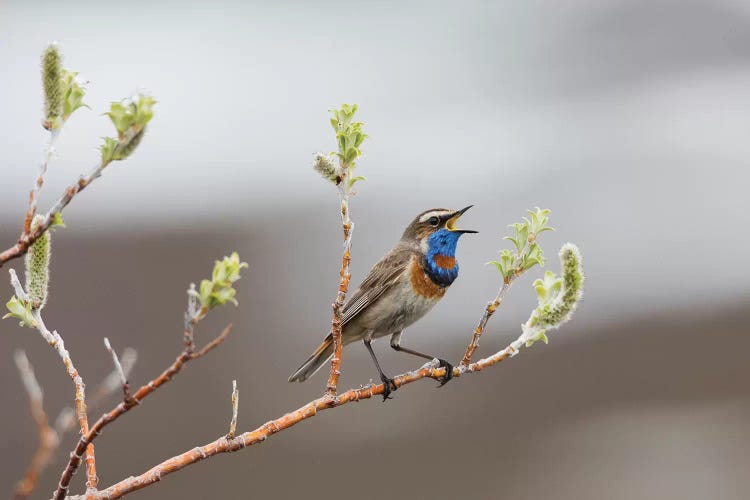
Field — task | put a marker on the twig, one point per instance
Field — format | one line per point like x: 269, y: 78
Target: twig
x: 48, y: 438
x: 39, y: 183
x: 28, y: 237
x: 57, y: 343
x: 235, y: 406
x: 123, y: 407
x: 55, y: 340
x: 223, y: 445
x: 479, y: 329
x: 65, y: 421
x: 493, y: 306
x: 193, y: 316
x: 113, y: 381
x: 338, y: 304
x: 118, y: 370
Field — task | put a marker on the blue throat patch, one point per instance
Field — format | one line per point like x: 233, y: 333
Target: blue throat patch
x: 441, y: 243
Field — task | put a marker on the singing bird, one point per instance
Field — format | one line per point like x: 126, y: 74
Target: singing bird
x: 399, y: 290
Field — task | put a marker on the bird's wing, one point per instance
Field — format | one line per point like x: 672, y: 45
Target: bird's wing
x: 380, y: 278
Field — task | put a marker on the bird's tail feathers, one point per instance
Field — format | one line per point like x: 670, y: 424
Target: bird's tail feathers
x: 322, y: 354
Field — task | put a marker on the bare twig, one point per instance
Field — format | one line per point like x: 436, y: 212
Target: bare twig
x: 479, y: 329
x: 27, y: 238
x: 338, y: 304
x: 56, y: 342
x: 88, y: 437
x: 223, y: 445
x: 493, y: 306
x: 193, y: 316
x: 118, y: 370
x: 48, y: 438
x: 39, y: 183
x: 235, y: 406
x: 113, y: 381
x: 65, y: 421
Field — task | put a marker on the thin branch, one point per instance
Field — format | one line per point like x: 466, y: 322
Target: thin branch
x: 118, y: 369
x: 65, y: 421
x: 235, y: 407
x: 193, y: 316
x: 213, y: 344
x: 113, y: 381
x: 27, y: 238
x: 338, y: 304
x: 48, y: 438
x: 479, y: 329
x: 88, y: 437
x: 39, y: 183
x: 224, y: 445
x: 492, y: 307
x: 56, y: 342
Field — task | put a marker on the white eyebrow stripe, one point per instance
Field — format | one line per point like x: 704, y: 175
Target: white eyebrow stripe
x: 434, y: 213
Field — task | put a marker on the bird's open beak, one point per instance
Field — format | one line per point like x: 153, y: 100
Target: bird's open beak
x: 451, y: 224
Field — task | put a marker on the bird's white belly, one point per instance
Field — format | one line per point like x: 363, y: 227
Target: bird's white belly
x: 397, y: 309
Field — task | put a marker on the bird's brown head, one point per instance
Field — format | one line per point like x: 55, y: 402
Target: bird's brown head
x: 431, y: 221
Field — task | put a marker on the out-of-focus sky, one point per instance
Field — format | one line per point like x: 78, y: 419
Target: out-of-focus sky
x: 629, y: 119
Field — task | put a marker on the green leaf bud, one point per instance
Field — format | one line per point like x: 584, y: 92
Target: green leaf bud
x: 527, y: 253
x: 73, y: 93
x: 130, y: 117
x: 219, y: 290
x: 20, y: 310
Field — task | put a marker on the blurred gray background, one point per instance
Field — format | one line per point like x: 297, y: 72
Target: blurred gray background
x: 629, y: 119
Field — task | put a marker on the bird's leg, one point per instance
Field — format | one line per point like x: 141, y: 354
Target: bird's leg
x: 396, y: 344
x: 388, y: 384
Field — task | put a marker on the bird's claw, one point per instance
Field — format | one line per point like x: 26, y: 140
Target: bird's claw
x: 448, y: 372
x: 389, y: 386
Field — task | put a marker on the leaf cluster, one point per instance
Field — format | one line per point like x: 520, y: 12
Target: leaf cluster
x: 219, y: 289
x: 130, y: 117
x: 349, y: 137
x: 527, y: 252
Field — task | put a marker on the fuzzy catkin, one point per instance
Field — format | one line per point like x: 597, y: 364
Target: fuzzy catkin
x: 559, y: 311
x: 52, y: 83
x: 126, y: 149
x: 37, y: 267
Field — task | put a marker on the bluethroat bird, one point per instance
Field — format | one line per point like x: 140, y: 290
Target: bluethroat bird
x: 398, y: 291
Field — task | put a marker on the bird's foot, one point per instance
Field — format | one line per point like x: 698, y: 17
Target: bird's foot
x: 389, y: 386
x: 448, y: 372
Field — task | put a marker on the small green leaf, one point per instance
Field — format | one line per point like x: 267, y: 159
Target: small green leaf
x: 21, y: 311
x: 73, y: 93
x: 57, y: 220
x: 218, y: 291
x: 356, y: 179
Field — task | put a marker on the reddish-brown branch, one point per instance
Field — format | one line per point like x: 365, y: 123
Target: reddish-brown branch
x: 224, y: 445
x: 479, y: 329
x: 28, y: 237
x: 56, y: 342
x: 90, y: 435
x: 338, y: 304
x: 50, y: 438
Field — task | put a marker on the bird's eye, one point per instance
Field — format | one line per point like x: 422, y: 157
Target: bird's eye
x: 433, y: 221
